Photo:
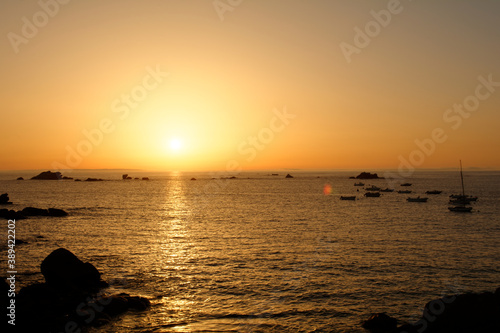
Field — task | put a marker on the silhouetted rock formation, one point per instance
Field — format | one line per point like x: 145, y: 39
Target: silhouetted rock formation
x: 63, y: 270
x: 94, y: 180
x: 288, y: 176
x: 367, y: 175
x: 68, y: 300
x: 31, y: 211
x: 11, y: 214
x: 193, y: 178
x: 145, y: 178
x: 20, y: 178
x: 55, y: 212
x: 465, y: 313
x: 126, y: 177
x: 4, y: 199
x: 48, y: 175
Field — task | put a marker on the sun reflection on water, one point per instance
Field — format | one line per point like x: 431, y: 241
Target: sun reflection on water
x: 175, y: 251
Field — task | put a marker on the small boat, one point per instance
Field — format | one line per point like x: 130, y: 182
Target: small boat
x: 433, y: 192
x: 460, y: 201
x: 417, y: 199
x: 359, y: 184
x: 372, y: 194
x: 348, y: 197
x: 372, y: 188
x: 387, y: 190
x: 463, y: 197
x: 406, y: 184
x: 404, y: 191
x: 460, y: 209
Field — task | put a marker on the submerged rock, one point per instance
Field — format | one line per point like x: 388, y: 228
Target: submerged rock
x: 288, y: 176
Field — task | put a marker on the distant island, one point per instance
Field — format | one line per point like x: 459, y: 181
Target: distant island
x: 49, y: 175
x: 367, y: 175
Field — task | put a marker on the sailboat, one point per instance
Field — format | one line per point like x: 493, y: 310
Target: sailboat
x: 462, y: 201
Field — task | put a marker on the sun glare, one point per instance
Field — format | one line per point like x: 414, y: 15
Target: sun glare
x: 175, y: 144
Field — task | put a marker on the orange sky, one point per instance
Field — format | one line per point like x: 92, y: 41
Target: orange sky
x: 259, y: 85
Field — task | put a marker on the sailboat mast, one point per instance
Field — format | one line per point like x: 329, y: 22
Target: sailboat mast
x: 462, y: 177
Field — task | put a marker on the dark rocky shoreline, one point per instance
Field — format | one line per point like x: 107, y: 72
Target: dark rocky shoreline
x: 71, y: 298
x: 464, y: 313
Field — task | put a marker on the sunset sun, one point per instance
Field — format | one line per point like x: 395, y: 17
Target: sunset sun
x: 175, y: 144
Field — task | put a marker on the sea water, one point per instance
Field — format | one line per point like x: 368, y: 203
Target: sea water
x: 262, y: 253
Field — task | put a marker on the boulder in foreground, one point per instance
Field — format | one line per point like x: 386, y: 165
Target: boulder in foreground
x: 70, y: 300
x: 63, y: 270
x: 464, y: 313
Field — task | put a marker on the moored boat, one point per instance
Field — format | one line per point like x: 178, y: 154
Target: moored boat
x: 416, y: 199
x: 372, y: 194
x: 348, y: 197
x: 460, y: 209
x: 433, y: 192
x: 461, y: 201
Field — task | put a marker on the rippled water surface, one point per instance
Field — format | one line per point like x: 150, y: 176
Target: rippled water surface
x: 263, y: 253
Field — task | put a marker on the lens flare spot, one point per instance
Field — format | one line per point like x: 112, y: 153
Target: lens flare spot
x: 327, y: 189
